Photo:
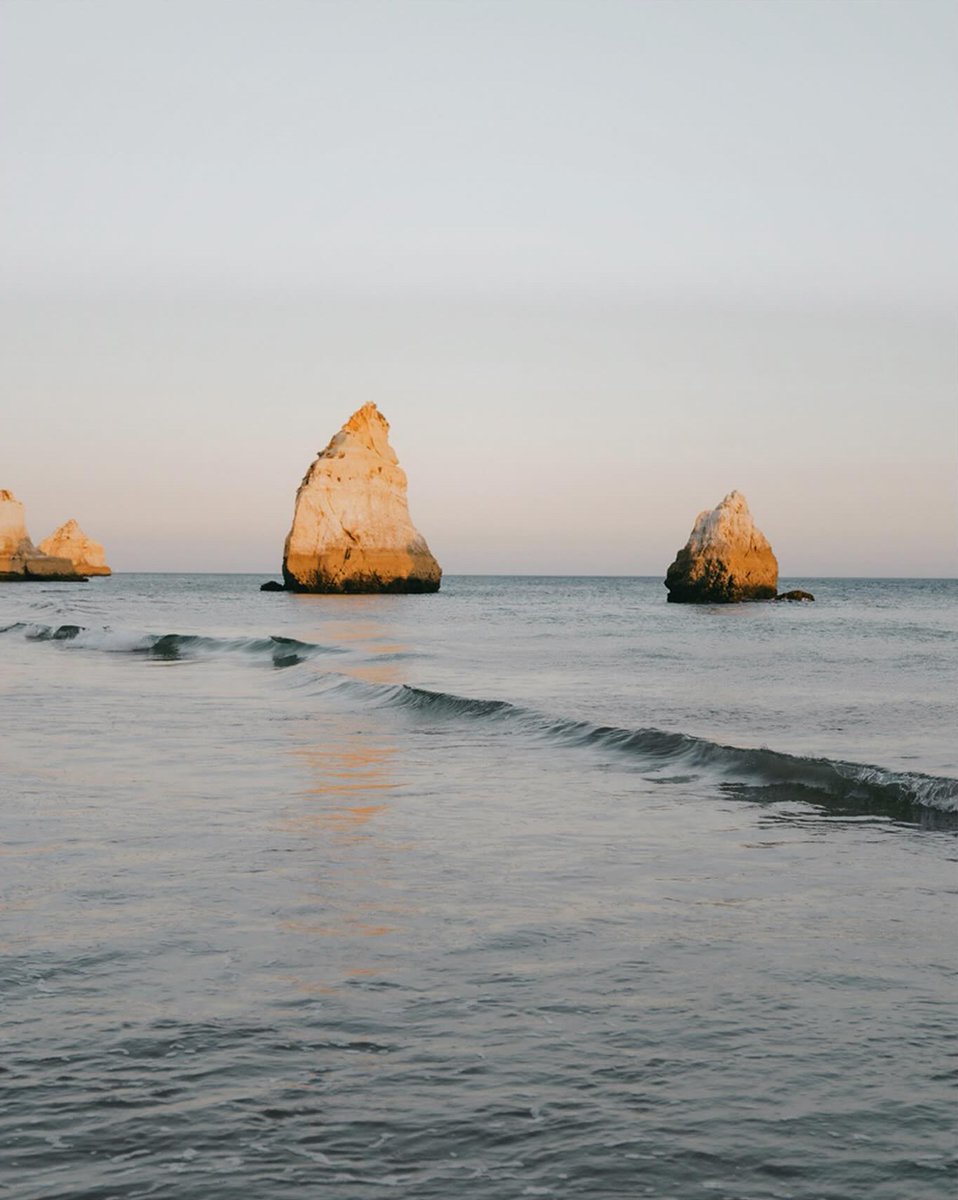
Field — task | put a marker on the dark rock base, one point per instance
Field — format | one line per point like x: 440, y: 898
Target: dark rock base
x: 715, y: 587
x: 363, y: 585
x: 28, y: 577
x: 734, y: 595
x: 795, y: 595
x: 710, y: 582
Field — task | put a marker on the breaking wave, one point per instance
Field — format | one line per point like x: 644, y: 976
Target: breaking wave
x: 855, y: 784
x: 282, y: 651
x: 754, y: 773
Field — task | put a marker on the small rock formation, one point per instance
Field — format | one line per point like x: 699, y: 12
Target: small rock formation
x: 69, y: 541
x: 797, y: 594
x: 20, y: 560
x: 726, y: 559
x: 271, y: 586
x: 351, y: 528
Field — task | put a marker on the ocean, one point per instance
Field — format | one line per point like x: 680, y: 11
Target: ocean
x: 532, y: 887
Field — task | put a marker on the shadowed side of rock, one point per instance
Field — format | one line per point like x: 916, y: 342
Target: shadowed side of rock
x: 351, y: 530
x: 726, y: 559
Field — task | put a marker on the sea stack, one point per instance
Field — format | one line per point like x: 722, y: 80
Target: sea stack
x: 351, y: 528
x: 725, y: 560
x: 69, y: 541
x: 20, y: 560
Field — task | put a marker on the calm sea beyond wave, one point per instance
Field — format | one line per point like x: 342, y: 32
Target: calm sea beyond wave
x: 532, y: 887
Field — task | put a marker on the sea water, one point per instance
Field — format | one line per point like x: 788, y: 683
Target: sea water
x: 533, y: 887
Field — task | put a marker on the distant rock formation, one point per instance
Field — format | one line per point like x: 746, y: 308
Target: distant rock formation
x: 69, y: 541
x: 726, y: 559
x: 797, y: 594
x: 351, y: 528
x: 20, y: 560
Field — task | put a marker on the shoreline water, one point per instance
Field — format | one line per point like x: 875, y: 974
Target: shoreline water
x: 432, y: 893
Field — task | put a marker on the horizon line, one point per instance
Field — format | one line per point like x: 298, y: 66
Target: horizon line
x: 554, y: 575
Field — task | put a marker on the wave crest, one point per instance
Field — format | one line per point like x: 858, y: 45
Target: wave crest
x: 857, y: 785
x: 757, y: 772
x: 170, y: 647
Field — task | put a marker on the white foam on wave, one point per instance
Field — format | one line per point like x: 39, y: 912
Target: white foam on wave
x: 113, y: 641
x: 938, y: 792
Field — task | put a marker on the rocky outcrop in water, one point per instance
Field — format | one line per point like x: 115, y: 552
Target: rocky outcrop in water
x: 69, y: 541
x: 725, y: 560
x: 796, y: 594
x: 351, y: 528
x: 20, y: 560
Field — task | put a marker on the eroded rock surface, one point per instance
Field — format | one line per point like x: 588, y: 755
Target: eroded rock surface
x: 19, y: 559
x: 351, y: 528
x: 726, y: 559
x: 69, y: 541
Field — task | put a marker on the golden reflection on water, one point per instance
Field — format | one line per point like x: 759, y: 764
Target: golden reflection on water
x: 344, y: 800
x: 357, y: 623
x: 345, y: 811
x: 347, y: 929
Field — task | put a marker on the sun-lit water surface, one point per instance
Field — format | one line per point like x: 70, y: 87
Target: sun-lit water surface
x: 288, y: 908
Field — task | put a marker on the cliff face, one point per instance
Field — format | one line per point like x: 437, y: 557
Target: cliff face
x: 726, y: 559
x: 19, y: 558
x: 69, y: 541
x: 351, y: 528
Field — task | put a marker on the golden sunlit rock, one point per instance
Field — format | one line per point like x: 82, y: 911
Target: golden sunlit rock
x: 19, y: 558
x: 351, y: 528
x: 69, y: 541
x: 726, y: 559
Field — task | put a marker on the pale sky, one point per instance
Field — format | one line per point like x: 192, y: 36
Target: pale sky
x: 598, y: 263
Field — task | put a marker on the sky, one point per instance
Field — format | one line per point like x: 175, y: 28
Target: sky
x: 599, y: 263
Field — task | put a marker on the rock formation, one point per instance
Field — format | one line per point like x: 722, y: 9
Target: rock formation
x: 19, y: 558
x: 69, y: 541
x: 795, y: 595
x: 726, y: 559
x: 351, y: 528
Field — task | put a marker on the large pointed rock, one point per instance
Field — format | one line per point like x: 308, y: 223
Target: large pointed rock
x: 726, y: 559
x: 69, y: 541
x: 351, y: 529
x: 19, y: 558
